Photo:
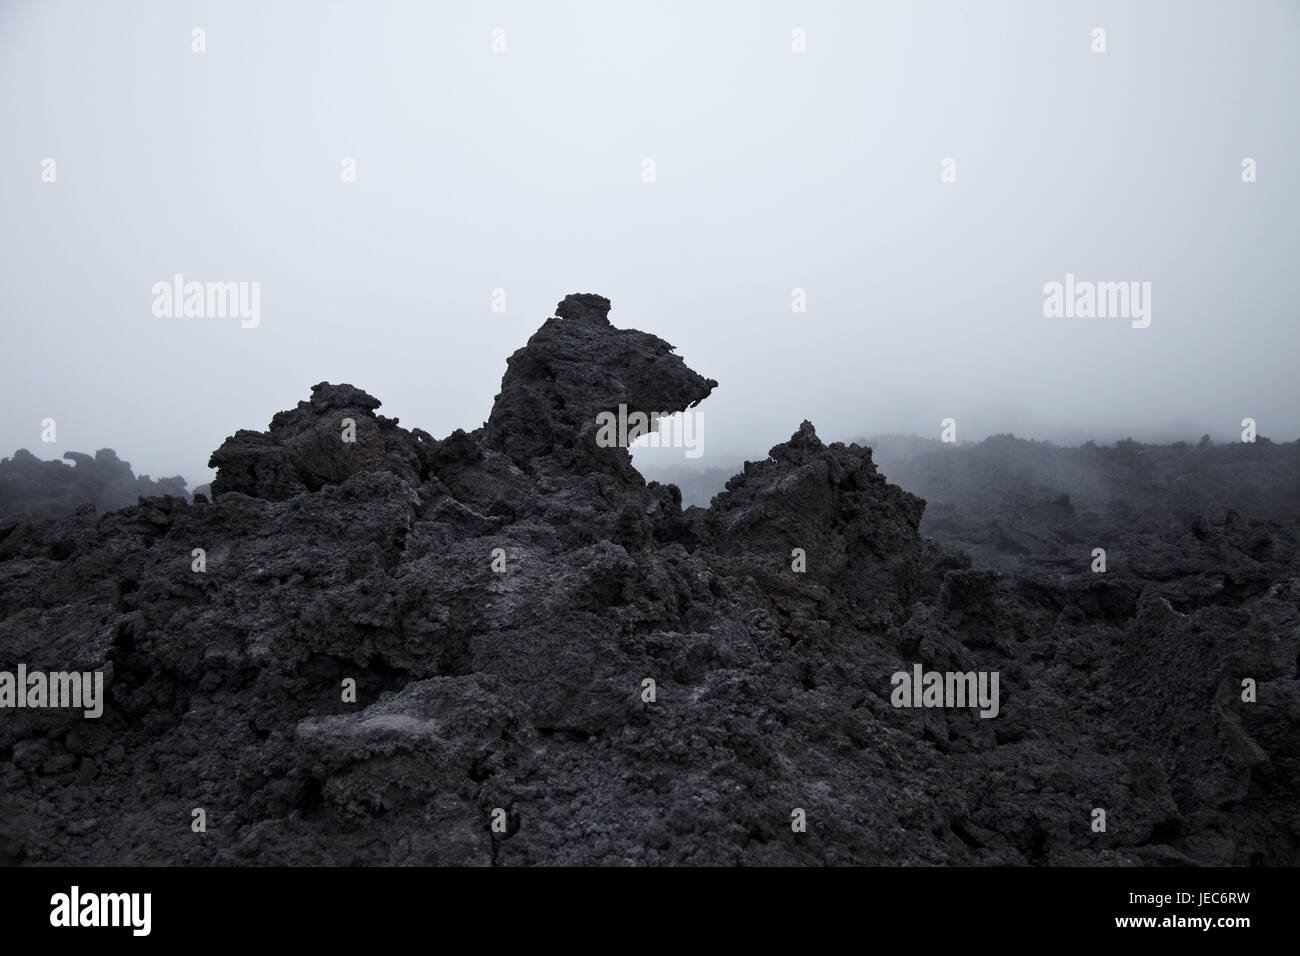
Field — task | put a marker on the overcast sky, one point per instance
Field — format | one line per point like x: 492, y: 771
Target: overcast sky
x: 523, y: 170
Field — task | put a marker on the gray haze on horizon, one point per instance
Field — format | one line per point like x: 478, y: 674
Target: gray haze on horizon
x: 522, y: 171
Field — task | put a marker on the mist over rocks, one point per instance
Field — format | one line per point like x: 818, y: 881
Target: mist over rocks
x: 499, y: 598
x: 1012, y: 503
x: 50, y: 489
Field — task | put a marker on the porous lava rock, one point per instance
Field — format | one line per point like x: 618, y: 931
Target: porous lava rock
x: 555, y: 663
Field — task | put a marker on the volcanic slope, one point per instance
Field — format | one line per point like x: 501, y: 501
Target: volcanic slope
x: 501, y: 598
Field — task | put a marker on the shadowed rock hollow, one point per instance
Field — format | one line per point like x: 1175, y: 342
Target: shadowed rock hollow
x: 522, y: 689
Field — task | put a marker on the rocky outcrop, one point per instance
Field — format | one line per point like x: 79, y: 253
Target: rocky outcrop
x: 334, y: 435
x: 574, y: 367
x: 505, y: 647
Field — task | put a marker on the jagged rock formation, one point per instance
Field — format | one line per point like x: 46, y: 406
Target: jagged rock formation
x: 304, y: 450
x: 518, y: 687
x: 50, y: 489
x: 576, y: 366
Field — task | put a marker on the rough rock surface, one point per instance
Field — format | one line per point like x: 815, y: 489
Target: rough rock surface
x: 51, y: 489
x: 520, y: 688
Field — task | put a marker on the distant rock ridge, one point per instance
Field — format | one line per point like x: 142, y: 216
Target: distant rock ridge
x: 50, y: 489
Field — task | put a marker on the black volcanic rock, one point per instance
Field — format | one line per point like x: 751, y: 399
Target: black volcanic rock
x: 304, y: 449
x: 857, y: 531
x: 49, y: 489
x: 574, y: 367
x: 501, y: 597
